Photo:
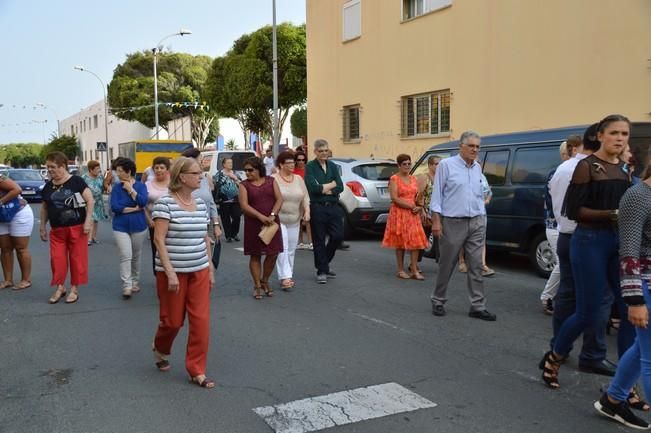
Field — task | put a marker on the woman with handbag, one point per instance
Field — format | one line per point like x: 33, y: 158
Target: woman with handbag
x: 128, y: 203
x: 16, y: 223
x: 260, y: 200
x: 183, y: 273
x: 227, y: 190
x: 66, y: 203
x: 295, y: 208
x: 404, y: 230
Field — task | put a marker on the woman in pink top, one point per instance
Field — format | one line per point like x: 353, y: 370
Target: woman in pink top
x: 156, y: 188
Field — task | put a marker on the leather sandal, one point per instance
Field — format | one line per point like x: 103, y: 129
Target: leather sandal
x: 161, y: 363
x: 24, y: 284
x: 257, y: 293
x: 267, y: 290
x: 635, y: 401
x: 203, y: 381
x: 551, y: 365
x: 72, y: 297
x: 403, y: 275
x: 58, y: 294
x: 6, y: 285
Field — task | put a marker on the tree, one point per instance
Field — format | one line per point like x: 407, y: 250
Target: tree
x: 298, y: 123
x: 240, y: 84
x: 22, y: 154
x: 64, y: 143
x: 230, y: 145
x: 181, y: 79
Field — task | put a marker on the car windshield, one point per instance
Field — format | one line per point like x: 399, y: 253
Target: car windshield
x: 377, y: 171
x: 25, y: 175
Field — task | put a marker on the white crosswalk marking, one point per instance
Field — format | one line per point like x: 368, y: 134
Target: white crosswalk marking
x: 346, y: 407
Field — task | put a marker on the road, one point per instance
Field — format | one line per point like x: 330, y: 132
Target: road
x: 88, y: 367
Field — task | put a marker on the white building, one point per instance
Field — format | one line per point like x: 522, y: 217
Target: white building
x: 88, y: 126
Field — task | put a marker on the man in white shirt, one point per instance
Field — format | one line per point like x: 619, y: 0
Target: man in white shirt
x: 269, y: 162
x: 592, y: 358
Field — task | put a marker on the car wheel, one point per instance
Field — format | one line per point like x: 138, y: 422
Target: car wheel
x: 541, y: 255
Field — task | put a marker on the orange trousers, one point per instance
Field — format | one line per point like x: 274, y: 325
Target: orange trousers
x: 192, y: 297
x: 69, y: 245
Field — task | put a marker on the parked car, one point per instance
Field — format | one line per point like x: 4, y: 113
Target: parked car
x: 211, y: 160
x: 516, y: 166
x: 30, y: 181
x: 368, y: 181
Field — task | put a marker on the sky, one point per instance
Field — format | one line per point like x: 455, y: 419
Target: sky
x: 42, y: 40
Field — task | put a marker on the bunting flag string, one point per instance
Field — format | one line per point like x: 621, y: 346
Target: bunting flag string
x: 11, y: 124
x: 192, y: 105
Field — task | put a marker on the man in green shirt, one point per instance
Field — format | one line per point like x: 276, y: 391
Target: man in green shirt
x: 324, y: 186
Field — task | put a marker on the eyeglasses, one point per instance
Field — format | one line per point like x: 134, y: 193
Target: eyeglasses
x: 249, y: 170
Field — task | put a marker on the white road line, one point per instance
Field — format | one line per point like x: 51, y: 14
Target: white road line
x: 239, y: 249
x: 340, y: 408
x: 374, y: 320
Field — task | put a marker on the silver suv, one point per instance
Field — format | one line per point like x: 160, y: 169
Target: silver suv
x: 367, y: 180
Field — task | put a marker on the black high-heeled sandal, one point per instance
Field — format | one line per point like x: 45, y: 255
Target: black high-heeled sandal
x: 635, y: 401
x: 551, y: 365
x: 267, y: 290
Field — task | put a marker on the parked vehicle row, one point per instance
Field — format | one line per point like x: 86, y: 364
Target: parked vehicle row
x: 29, y: 180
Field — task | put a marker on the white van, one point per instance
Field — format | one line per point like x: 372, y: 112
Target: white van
x: 211, y: 160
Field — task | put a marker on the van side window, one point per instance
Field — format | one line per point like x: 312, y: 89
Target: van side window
x: 495, y: 166
x: 534, y: 165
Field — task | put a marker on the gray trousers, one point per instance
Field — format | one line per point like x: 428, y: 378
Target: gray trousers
x: 130, y: 248
x: 458, y: 233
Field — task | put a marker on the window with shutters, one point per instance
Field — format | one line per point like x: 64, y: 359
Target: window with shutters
x: 415, y: 8
x: 351, y: 123
x: 426, y: 114
x: 352, y: 20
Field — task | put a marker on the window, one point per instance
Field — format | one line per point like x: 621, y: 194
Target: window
x: 95, y: 121
x: 379, y: 171
x: 351, y: 123
x: 495, y: 166
x: 416, y: 8
x: 426, y: 114
x: 534, y: 165
x: 352, y: 20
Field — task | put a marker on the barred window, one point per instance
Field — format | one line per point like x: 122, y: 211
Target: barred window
x: 351, y: 123
x: 416, y: 8
x: 426, y: 114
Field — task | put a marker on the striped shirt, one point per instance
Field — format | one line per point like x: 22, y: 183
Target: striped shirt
x: 186, y: 234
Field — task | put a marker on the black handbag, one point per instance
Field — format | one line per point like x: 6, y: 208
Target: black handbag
x: 216, y: 252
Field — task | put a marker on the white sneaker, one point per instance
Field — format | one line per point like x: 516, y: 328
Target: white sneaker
x: 300, y: 246
x: 310, y: 247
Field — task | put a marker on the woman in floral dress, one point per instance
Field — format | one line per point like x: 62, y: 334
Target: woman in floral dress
x: 95, y: 183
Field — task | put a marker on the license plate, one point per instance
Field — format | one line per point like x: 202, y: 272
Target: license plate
x: 29, y: 192
x: 382, y: 191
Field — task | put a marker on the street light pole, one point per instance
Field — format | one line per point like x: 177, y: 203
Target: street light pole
x: 106, y: 134
x: 275, y: 144
x: 156, y: 50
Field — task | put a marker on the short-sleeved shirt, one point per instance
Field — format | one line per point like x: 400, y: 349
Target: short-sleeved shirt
x: 58, y: 199
x: 186, y: 235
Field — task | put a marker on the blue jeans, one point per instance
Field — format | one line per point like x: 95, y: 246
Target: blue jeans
x: 636, y: 359
x: 594, y: 338
x: 595, y: 266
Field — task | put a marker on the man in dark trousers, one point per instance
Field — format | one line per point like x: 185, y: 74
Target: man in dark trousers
x: 324, y: 186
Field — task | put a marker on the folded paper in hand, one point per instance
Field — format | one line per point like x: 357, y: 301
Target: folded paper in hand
x: 267, y: 233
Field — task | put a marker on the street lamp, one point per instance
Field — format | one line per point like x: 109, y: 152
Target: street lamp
x: 156, y: 50
x: 83, y: 69
x: 56, y: 116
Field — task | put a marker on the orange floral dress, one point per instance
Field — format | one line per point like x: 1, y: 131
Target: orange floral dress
x: 404, y: 229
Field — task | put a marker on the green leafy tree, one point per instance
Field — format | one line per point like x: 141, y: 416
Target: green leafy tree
x: 64, y: 143
x: 22, y: 154
x: 181, y: 78
x: 230, y: 145
x: 298, y: 123
x: 240, y: 84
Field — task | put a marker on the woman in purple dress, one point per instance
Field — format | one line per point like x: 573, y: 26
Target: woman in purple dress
x: 260, y: 201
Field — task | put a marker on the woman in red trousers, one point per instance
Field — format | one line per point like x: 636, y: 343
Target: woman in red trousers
x: 183, y: 272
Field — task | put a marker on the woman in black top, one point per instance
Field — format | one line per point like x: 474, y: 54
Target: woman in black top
x: 70, y: 224
x: 592, y: 200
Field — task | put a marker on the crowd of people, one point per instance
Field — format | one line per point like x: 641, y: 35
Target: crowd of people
x: 597, y: 216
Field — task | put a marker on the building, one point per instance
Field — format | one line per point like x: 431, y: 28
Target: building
x: 88, y: 126
x: 397, y: 76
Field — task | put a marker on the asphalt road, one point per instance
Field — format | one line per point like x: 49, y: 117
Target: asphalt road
x: 88, y: 367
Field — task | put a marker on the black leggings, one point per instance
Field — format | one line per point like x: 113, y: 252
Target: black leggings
x: 230, y: 214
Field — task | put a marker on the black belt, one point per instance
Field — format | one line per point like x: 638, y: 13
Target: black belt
x: 325, y: 203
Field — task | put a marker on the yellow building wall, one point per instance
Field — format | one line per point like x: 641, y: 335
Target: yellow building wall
x: 511, y: 65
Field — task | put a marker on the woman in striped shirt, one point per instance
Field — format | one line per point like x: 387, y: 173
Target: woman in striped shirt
x: 183, y: 273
